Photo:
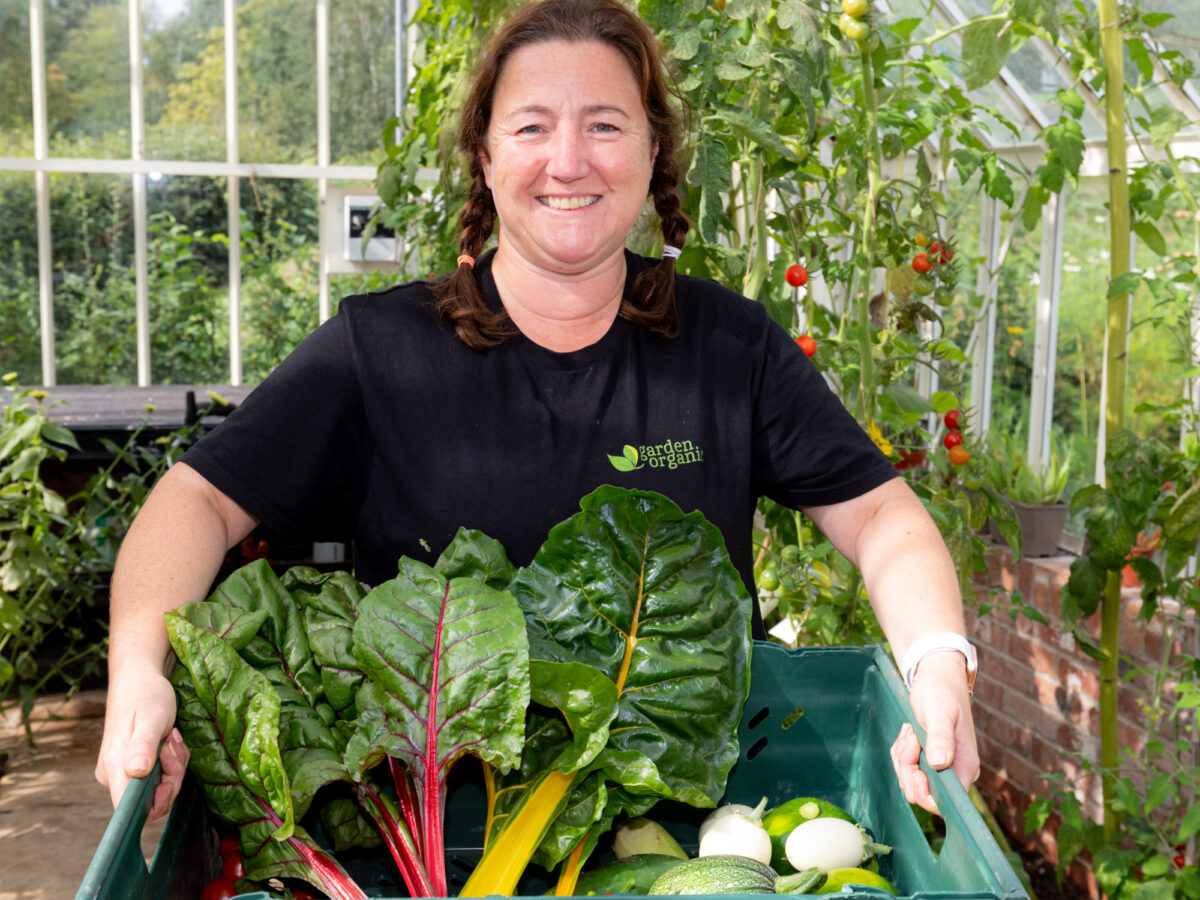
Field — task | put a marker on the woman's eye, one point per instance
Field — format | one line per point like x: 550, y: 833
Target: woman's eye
x: 529, y: 129
x: 604, y: 126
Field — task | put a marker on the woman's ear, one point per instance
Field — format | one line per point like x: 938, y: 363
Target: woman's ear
x: 485, y: 163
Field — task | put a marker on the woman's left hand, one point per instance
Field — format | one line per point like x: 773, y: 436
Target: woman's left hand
x: 942, y: 706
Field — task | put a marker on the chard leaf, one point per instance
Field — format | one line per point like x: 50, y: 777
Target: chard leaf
x: 329, y: 604
x: 232, y: 624
x: 229, y: 716
x: 472, y: 554
x: 447, y: 666
x: 636, y: 588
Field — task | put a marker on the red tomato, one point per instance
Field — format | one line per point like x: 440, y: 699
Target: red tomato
x: 219, y: 889
x: 959, y: 456
x: 921, y: 263
x: 807, y: 343
x: 1180, y: 861
x: 232, y: 867
x: 952, y: 420
x: 796, y: 275
x: 229, y: 846
x: 952, y: 439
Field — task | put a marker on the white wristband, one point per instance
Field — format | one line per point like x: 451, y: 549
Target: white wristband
x: 932, y: 643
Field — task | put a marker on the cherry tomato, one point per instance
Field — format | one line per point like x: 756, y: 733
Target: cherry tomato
x: 943, y: 296
x: 941, y: 252
x: 921, y: 239
x: 853, y: 28
x: 796, y: 275
x: 951, y: 420
x: 790, y: 554
x: 219, y: 889
x: 232, y: 867
x: 921, y: 263
x: 959, y: 455
x: 925, y: 284
x: 768, y: 579
x: 855, y: 8
x: 229, y: 846
x: 952, y: 439
x: 807, y: 343
x: 1180, y: 861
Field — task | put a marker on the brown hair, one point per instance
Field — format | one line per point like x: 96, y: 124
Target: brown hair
x: 457, y: 297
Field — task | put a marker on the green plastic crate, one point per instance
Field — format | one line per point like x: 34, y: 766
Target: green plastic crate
x: 819, y: 722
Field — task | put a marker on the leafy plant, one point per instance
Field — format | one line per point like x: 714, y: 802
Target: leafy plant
x: 1010, y: 474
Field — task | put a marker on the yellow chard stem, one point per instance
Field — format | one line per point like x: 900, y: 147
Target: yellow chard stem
x: 505, y: 859
x: 568, y: 877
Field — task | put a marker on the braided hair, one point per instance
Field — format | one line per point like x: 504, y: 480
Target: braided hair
x: 457, y: 298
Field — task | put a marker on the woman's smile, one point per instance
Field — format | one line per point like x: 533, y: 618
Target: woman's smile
x: 569, y: 202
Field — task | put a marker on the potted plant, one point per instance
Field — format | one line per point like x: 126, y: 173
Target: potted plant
x: 1033, y: 492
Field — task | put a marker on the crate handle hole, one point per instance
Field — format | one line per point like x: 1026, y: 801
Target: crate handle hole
x: 756, y: 748
x: 757, y: 718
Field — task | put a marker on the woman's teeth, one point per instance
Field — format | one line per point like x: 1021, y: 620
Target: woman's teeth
x: 568, y: 202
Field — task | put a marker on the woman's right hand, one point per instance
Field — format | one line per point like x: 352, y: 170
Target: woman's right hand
x: 139, y: 714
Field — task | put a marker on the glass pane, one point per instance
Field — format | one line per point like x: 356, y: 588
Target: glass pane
x: 280, y: 270
x: 20, y: 332
x: 16, y: 92
x: 94, y: 281
x: 87, y: 79
x: 184, y: 46
x: 277, y: 82
x: 362, y: 75
x: 188, y: 272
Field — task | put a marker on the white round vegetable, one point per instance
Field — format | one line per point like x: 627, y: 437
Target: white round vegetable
x: 736, y: 835
x: 729, y: 809
x: 826, y: 843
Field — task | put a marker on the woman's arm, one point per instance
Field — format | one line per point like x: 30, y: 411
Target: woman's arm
x: 171, y: 555
x: 914, y: 590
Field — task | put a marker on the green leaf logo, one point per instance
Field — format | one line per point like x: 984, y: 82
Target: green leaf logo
x: 627, y: 461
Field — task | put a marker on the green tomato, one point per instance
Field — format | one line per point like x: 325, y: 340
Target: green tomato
x: 768, y: 579
x: 855, y: 8
x: 790, y: 554
x: 925, y: 285
x: 943, y: 296
x: 855, y: 29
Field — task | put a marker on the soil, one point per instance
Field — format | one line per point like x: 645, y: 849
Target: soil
x: 1044, y: 878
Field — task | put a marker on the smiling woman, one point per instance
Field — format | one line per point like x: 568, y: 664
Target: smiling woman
x: 498, y: 396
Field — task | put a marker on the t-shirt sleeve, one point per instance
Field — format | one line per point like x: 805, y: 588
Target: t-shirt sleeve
x: 808, y: 449
x: 295, y: 454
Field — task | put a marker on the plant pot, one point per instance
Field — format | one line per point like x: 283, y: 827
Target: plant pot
x: 1041, y: 527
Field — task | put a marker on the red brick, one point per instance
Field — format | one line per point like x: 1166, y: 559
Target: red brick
x: 1130, y: 703
x: 1006, y: 731
x: 989, y: 691
x: 1080, y: 675
x: 1131, y: 736
x: 1022, y: 775
x: 1040, y: 719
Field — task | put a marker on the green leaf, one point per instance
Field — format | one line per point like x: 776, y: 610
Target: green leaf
x: 712, y: 174
x: 908, y: 399
x: 1156, y: 866
x: 1151, y: 236
x: 1070, y: 101
x: 685, y: 44
x: 57, y: 434
x: 621, y: 464
x: 1183, y: 519
x: 329, y: 605
x: 472, y: 554
x: 449, y: 666
x: 1125, y: 283
x: 1189, y: 825
x: 745, y: 125
x: 943, y: 402
x: 984, y: 51
x: 904, y: 28
x: 1158, y: 791
x: 647, y: 594
x: 996, y: 181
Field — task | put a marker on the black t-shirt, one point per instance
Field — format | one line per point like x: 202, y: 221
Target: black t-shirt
x: 384, y: 428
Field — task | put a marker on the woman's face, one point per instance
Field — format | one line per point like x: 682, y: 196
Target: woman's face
x: 569, y: 154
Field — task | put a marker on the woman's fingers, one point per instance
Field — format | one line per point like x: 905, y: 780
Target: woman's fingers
x: 906, y: 760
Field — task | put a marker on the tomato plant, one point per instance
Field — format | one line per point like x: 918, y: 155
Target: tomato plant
x: 796, y: 275
x: 855, y: 29
x: 219, y: 889
x: 855, y: 8
x: 807, y: 343
x: 959, y: 455
x: 924, y: 285
x: 952, y: 420
x: 921, y: 263
x: 941, y: 252
x: 952, y: 439
x: 768, y: 579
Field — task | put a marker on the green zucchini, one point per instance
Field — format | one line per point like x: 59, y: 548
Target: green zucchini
x: 632, y: 875
x: 733, y: 875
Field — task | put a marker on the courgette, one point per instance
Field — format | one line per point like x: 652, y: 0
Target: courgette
x: 632, y: 875
x: 733, y: 875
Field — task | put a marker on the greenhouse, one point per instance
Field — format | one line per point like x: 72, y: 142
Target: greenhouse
x: 978, y: 224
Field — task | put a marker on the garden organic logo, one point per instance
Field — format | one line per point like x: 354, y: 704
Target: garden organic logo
x: 667, y: 455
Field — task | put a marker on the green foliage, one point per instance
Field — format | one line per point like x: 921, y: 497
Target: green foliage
x: 1008, y: 473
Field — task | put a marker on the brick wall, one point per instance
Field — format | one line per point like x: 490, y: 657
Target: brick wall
x: 1037, y: 698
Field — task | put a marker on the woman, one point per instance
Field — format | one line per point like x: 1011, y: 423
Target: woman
x: 495, y: 398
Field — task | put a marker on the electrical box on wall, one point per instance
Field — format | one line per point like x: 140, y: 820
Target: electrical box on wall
x: 344, y: 219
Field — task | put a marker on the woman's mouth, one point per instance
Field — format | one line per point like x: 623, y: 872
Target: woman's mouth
x: 568, y: 202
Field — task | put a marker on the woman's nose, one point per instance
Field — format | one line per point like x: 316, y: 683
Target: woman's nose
x: 568, y: 155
